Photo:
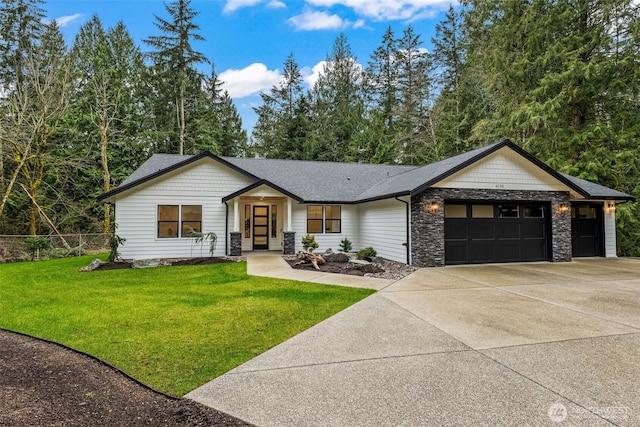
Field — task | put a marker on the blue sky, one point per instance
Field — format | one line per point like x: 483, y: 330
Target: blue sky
x: 249, y: 40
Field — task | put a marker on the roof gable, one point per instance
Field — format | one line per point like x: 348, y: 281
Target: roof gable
x: 505, y: 169
x: 160, y: 165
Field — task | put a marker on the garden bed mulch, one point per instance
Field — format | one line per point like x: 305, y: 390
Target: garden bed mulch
x: 332, y: 267
x: 187, y: 261
x: 45, y: 384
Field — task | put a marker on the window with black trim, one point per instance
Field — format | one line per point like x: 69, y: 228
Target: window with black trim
x: 324, y: 219
x: 333, y: 219
x: 179, y: 221
x: 191, y: 220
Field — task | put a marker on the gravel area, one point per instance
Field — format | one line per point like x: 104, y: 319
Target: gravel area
x: 45, y: 384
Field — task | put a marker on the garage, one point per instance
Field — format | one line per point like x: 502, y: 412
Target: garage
x: 477, y: 233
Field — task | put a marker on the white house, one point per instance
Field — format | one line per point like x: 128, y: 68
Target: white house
x: 493, y: 204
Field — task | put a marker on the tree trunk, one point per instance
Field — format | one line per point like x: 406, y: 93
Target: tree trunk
x: 105, y: 176
x: 182, y: 124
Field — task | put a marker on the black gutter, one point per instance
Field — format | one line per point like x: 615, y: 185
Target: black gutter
x: 226, y: 230
x: 408, y: 234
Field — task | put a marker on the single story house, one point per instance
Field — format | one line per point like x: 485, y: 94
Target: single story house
x: 493, y: 204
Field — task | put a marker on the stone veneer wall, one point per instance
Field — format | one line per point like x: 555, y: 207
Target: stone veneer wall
x: 427, y: 228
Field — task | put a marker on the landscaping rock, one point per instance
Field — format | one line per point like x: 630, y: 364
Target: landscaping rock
x: 146, y: 263
x: 362, y: 265
x: 94, y: 264
x: 336, y: 257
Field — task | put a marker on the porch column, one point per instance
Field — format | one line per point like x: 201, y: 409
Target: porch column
x: 236, y: 214
x: 289, y: 235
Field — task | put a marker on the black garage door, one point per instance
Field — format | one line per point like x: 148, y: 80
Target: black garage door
x: 507, y: 232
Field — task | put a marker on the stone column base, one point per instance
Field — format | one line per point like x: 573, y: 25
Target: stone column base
x: 289, y: 242
x: 235, y: 248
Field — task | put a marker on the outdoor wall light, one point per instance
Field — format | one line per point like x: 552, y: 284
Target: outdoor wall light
x: 611, y: 208
x: 433, y: 207
x: 564, y: 208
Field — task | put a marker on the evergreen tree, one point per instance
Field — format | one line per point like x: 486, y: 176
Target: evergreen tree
x: 174, y: 56
x: 337, y: 106
x: 277, y: 113
x: 414, y: 128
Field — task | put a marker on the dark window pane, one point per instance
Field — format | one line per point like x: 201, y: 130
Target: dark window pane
x: 533, y: 212
x: 508, y: 211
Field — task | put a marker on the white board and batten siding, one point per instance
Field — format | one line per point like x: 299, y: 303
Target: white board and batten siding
x: 609, y: 230
x: 202, y: 183
x: 349, y: 227
x: 383, y: 226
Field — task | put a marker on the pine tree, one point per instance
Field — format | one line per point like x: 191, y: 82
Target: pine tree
x: 337, y: 106
x: 277, y: 113
x: 414, y: 65
x: 175, y: 57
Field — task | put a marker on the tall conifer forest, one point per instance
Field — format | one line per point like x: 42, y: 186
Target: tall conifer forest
x: 559, y: 78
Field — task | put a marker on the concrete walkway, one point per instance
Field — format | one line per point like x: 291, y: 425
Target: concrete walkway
x: 272, y: 265
x: 516, y: 344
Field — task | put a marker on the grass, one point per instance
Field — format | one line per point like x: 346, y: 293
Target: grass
x: 173, y: 328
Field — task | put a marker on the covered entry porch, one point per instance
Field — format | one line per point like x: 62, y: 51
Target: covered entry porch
x: 261, y: 220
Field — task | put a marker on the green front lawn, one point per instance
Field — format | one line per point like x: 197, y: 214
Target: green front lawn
x: 173, y: 328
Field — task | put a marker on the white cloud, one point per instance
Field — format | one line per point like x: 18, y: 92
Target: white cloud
x: 250, y: 80
x: 276, y: 4
x: 310, y: 75
x: 315, y: 20
x: 380, y: 10
x: 63, y: 21
x: 233, y: 5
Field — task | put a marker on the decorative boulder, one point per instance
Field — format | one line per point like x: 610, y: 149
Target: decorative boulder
x: 146, y: 263
x: 94, y: 264
x: 362, y: 265
x: 336, y: 257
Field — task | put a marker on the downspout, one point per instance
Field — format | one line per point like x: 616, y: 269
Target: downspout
x: 226, y: 229
x: 408, y: 231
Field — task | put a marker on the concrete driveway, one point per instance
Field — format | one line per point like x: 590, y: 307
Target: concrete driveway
x: 512, y: 344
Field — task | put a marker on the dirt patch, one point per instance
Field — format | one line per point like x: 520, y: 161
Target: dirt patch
x: 44, y: 384
x: 333, y: 267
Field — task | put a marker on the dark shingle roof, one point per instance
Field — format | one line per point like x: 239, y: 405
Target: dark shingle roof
x: 597, y: 191
x: 320, y: 181
x: 333, y: 182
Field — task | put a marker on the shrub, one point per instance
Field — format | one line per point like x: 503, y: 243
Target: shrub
x: 114, y: 242
x: 345, y: 245
x: 367, y: 253
x: 309, y: 241
x: 35, y: 244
